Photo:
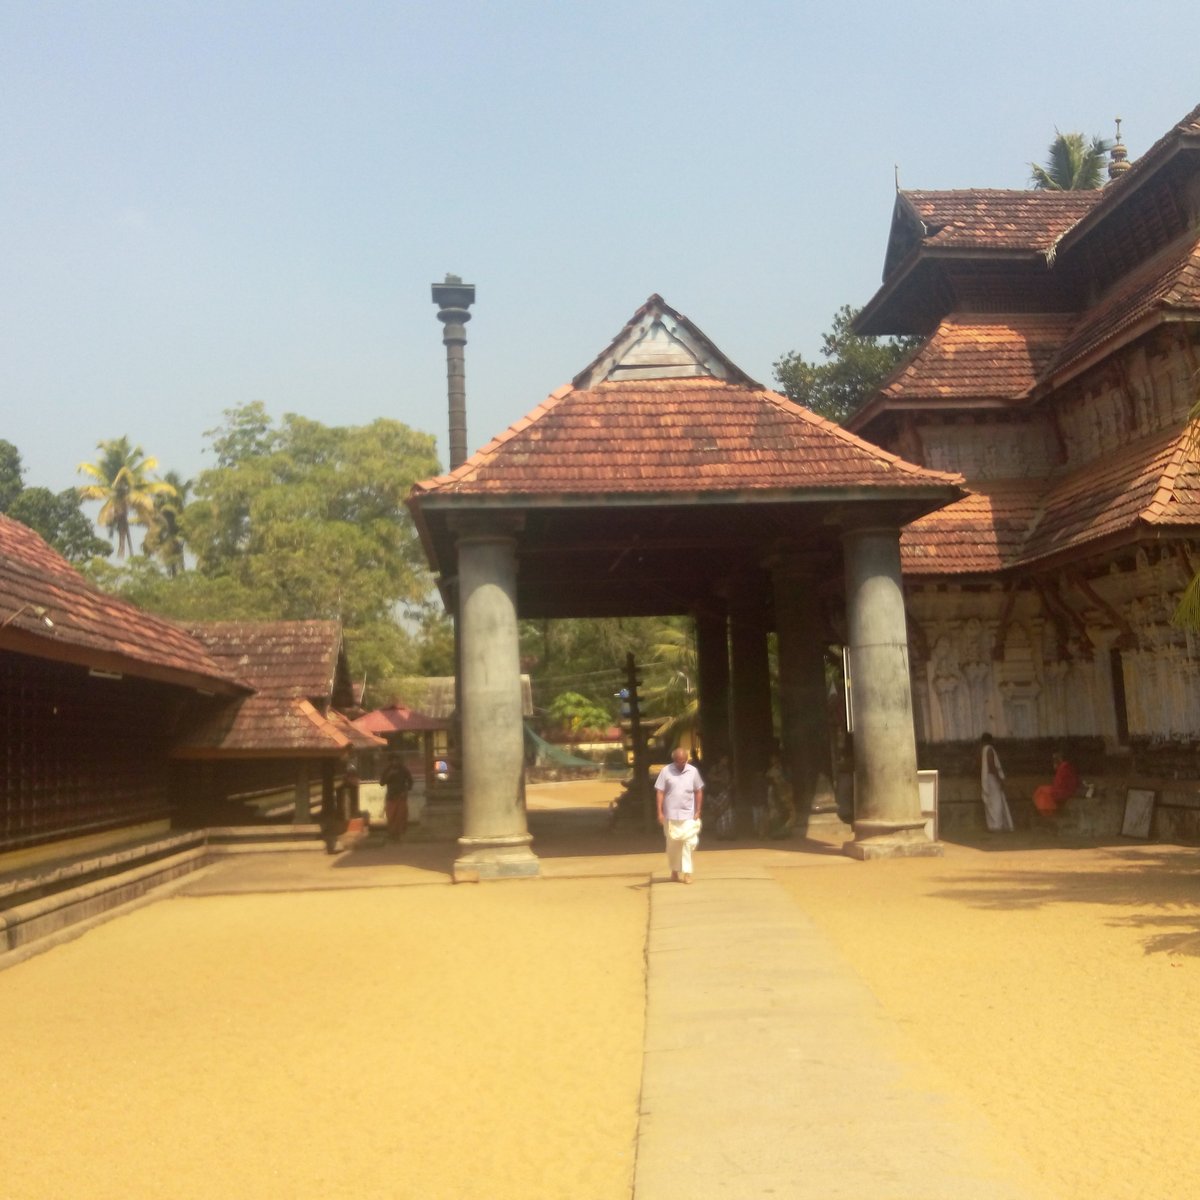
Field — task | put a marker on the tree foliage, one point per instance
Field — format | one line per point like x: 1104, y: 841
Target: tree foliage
x: 297, y: 520
x: 56, y: 516
x: 125, y: 488
x: 1073, y: 164
x: 311, y: 518
x: 854, y: 368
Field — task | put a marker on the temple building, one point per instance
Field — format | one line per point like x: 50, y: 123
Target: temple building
x: 1059, y: 364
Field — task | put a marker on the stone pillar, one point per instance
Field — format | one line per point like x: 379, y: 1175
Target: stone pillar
x: 302, y: 813
x: 712, y: 664
x: 751, y: 726
x: 454, y: 298
x: 887, y: 808
x: 803, y: 707
x: 495, y: 840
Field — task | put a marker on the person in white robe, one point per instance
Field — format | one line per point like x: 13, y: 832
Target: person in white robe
x: 991, y: 783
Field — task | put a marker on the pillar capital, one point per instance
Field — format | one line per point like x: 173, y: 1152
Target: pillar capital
x: 486, y: 527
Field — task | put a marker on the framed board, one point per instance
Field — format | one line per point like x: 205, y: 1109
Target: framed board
x: 927, y: 789
x: 1139, y: 811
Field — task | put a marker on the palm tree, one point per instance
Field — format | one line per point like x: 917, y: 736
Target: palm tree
x: 123, y: 487
x: 1073, y: 164
x: 164, y: 538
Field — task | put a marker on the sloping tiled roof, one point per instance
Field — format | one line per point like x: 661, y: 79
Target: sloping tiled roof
x: 980, y: 533
x: 1147, y: 482
x: 1169, y: 282
x: 996, y: 218
x: 682, y: 436
x: 290, y: 664
x: 291, y: 659
x: 1152, y: 483
x: 90, y: 627
x: 980, y: 357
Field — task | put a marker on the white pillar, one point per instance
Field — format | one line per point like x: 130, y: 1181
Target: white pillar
x: 495, y: 840
x: 887, y: 807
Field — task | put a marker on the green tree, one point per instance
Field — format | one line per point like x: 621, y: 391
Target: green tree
x: 57, y: 517
x: 124, y: 488
x: 164, y: 535
x: 311, y: 518
x: 571, y: 712
x: 855, y: 368
x: 1073, y: 164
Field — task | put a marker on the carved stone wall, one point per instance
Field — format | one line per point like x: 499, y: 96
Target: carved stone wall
x: 990, y: 449
x: 1020, y: 671
x: 1138, y: 391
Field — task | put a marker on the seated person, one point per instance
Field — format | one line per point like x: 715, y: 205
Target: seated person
x: 1050, y: 797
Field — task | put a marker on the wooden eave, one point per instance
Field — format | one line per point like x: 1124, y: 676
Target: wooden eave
x: 1119, y: 192
x: 73, y: 653
x: 884, y: 314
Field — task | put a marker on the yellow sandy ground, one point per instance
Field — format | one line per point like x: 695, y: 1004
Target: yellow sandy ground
x: 1058, y: 990
x: 404, y: 1042
x: 438, y: 1041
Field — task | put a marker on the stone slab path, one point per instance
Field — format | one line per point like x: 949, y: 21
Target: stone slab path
x: 767, y: 1070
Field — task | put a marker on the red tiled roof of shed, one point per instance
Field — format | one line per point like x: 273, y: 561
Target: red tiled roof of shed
x: 90, y: 626
x: 290, y: 664
x: 277, y: 658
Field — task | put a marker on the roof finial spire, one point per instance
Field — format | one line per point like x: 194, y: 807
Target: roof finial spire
x: 1117, y: 156
x: 896, y: 168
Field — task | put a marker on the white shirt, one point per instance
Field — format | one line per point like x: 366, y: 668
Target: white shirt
x: 679, y: 786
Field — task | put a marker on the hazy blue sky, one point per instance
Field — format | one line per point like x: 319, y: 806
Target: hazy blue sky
x: 208, y: 203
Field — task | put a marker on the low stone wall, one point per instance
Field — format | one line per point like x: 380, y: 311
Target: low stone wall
x: 45, y: 902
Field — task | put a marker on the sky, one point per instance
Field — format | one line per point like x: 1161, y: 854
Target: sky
x: 208, y: 203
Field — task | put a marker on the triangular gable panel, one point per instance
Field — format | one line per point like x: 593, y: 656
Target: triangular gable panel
x: 659, y: 343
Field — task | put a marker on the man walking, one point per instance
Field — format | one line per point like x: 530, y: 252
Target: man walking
x: 680, y: 794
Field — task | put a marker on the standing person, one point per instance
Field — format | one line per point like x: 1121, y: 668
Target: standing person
x: 397, y: 781
x: 680, y: 794
x: 991, y: 782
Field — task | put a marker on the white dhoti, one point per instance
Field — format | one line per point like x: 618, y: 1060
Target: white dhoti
x: 682, y: 838
x: 995, y: 804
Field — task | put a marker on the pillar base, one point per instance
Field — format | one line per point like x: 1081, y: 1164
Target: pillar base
x: 483, y: 859
x: 896, y: 843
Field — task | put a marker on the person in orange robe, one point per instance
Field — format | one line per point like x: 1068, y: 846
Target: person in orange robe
x: 1049, y: 797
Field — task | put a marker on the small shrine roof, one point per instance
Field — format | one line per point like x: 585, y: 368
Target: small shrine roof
x: 298, y: 671
x: 290, y: 659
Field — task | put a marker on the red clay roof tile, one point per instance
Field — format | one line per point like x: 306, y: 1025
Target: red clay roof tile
x: 997, y: 219
x: 675, y: 435
x: 977, y: 357
x: 89, y: 623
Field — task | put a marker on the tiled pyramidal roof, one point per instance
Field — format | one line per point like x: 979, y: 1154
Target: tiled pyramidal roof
x: 662, y: 411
